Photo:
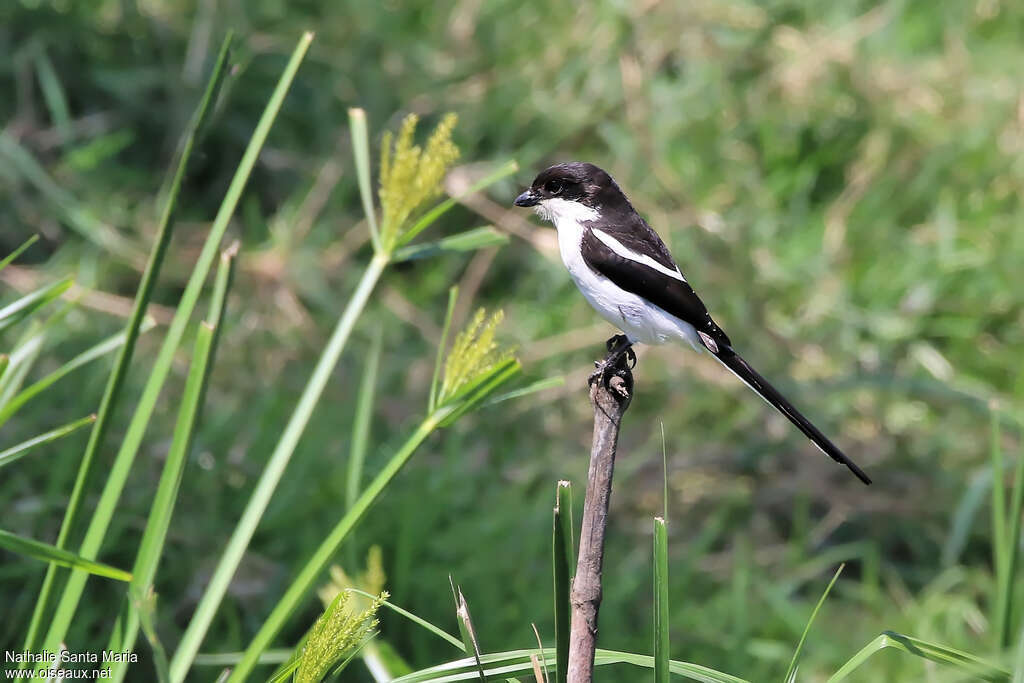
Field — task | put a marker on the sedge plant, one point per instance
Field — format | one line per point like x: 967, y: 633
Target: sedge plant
x: 474, y: 369
x: 410, y: 180
x: 117, y: 478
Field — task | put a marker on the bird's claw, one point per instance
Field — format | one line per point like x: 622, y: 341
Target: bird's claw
x: 613, y: 342
x: 619, y: 361
x: 616, y: 342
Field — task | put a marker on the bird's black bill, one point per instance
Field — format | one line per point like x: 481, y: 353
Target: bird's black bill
x: 527, y: 198
x: 755, y: 381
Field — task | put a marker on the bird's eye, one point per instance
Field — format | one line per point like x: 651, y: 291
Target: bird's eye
x: 553, y: 186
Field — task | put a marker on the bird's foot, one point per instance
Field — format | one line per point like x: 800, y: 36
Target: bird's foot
x: 617, y: 346
x: 619, y: 361
x: 614, y: 342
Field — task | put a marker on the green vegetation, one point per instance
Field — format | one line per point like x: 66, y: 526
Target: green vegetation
x: 842, y: 182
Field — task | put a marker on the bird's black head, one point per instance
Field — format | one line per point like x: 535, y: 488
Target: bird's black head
x: 576, y: 181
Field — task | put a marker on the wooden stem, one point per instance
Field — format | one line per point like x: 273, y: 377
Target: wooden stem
x: 610, y: 401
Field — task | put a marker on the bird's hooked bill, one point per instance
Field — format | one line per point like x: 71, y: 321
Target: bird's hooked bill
x: 528, y: 198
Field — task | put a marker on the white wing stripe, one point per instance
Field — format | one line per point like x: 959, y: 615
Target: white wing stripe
x: 626, y: 253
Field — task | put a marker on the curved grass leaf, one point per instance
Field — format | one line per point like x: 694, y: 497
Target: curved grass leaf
x: 470, y: 240
x: 50, y: 553
x: 518, y: 661
x: 531, y: 388
x: 7, y: 260
x: 98, y: 351
x: 437, y: 631
x: 21, y: 450
x: 794, y: 662
x: 982, y: 669
x: 425, y: 221
x: 25, y: 306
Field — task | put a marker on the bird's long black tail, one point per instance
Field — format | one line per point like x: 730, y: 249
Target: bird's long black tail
x: 759, y: 384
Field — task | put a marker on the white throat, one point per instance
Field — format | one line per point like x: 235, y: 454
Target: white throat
x: 562, y: 212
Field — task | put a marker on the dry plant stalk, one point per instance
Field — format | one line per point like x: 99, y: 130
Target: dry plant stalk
x: 610, y: 401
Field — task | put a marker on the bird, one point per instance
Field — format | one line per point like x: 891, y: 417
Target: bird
x: 625, y: 271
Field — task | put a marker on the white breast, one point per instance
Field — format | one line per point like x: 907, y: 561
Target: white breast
x: 640, y: 320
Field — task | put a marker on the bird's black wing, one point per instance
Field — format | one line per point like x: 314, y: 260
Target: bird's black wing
x: 677, y: 297
x: 672, y: 294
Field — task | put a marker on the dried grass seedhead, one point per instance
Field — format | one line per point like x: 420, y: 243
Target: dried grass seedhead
x: 410, y: 176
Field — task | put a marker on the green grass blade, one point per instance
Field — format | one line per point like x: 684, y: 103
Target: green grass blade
x: 361, y: 152
x: 260, y: 498
x: 75, y: 215
x: 1005, y: 607
x: 453, y: 296
x: 49, y: 553
x: 363, y: 419
x: 219, y: 304
x: 506, y: 169
x: 531, y: 388
x: 305, y: 579
x: 739, y: 598
x: 32, y: 302
x: 471, y: 240
x: 1001, y: 549
x: 162, y: 365
x: 936, y: 653
x: 795, y: 661
x: 115, y: 382
x: 26, y: 351
x: 661, y: 609
x: 7, y: 260
x: 562, y: 555
x: 53, y: 95
x: 19, y: 363
x: 1018, y: 663
x: 13, y: 453
x: 419, y: 621
x: 98, y: 351
x: 153, y: 537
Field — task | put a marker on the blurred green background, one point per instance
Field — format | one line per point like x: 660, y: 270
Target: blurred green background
x: 840, y: 181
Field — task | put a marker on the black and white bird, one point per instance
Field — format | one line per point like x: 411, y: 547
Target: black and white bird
x: 625, y: 271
